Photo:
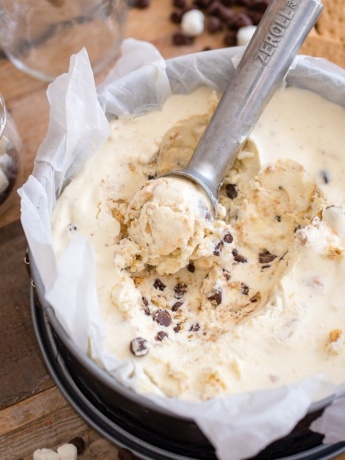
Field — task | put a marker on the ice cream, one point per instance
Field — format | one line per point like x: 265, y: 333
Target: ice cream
x: 250, y: 299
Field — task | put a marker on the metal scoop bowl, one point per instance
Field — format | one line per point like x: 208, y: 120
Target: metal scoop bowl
x: 268, y: 56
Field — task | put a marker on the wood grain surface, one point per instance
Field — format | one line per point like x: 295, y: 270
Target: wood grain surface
x: 33, y: 412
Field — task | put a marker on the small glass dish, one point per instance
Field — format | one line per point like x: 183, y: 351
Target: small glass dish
x: 10, y: 161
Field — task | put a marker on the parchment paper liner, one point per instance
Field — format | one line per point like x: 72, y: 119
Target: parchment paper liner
x: 238, y: 426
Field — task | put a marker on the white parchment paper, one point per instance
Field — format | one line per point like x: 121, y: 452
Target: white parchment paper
x: 238, y: 426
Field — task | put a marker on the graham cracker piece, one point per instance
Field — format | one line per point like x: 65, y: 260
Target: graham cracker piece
x: 329, y: 48
x: 331, y: 23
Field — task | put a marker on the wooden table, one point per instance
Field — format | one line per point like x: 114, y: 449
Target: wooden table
x: 33, y: 413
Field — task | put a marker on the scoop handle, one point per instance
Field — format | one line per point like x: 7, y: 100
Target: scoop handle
x: 268, y: 56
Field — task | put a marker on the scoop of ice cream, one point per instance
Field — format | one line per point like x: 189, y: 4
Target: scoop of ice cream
x: 168, y: 217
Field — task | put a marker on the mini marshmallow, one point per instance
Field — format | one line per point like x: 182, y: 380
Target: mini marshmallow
x: 192, y: 23
x: 244, y: 35
x: 45, y: 454
x: 68, y: 452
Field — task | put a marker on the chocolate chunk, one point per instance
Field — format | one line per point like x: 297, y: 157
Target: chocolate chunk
x: 177, y: 328
x: 216, y: 297
x: 159, y: 285
x: 244, y: 289
x: 265, y: 257
x: 228, y: 238
x: 139, y: 347
x: 181, y: 39
x: 194, y: 327
x: 238, y: 257
x: 161, y: 336
x: 79, y: 443
x: 326, y: 177
x: 191, y: 267
x: 162, y: 317
x: 218, y: 248
x: 180, y: 289
x: 176, y: 306
x: 231, y: 191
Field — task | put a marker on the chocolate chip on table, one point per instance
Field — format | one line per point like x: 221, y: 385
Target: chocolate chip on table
x: 139, y: 347
x: 202, y: 4
x: 230, y: 38
x: 161, y: 336
x: 191, y: 267
x: 179, y: 3
x: 218, y: 248
x: 216, y: 297
x: 125, y: 454
x: 181, y: 39
x: 242, y: 20
x: 214, y: 24
x: 142, y: 3
x: 162, y: 317
x: 238, y: 257
x: 158, y: 284
x: 176, y: 306
x: 180, y: 289
x: 79, y: 443
x: 231, y: 191
x: 176, y: 16
x: 265, y: 257
x: 228, y: 238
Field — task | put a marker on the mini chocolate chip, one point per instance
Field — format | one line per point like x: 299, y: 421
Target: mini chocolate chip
x: 181, y: 39
x: 244, y: 289
x: 180, y: 289
x: 325, y: 177
x: 176, y: 306
x: 145, y: 301
x: 139, y: 347
x: 177, y: 328
x: 228, y: 238
x: 79, y: 443
x: 162, y: 317
x: 216, y: 297
x: 158, y: 284
x: 191, y: 267
x: 161, y: 336
x: 218, y: 248
x: 265, y: 266
x: 194, y: 327
x: 151, y: 177
x: 255, y: 297
x: 278, y: 218
x: 265, y: 257
x: 231, y: 191
x: 214, y: 24
x: 238, y: 257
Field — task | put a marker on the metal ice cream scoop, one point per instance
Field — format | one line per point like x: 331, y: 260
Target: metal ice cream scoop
x: 268, y: 56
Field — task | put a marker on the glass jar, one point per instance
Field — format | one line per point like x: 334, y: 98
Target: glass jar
x: 10, y: 161
x: 39, y: 36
